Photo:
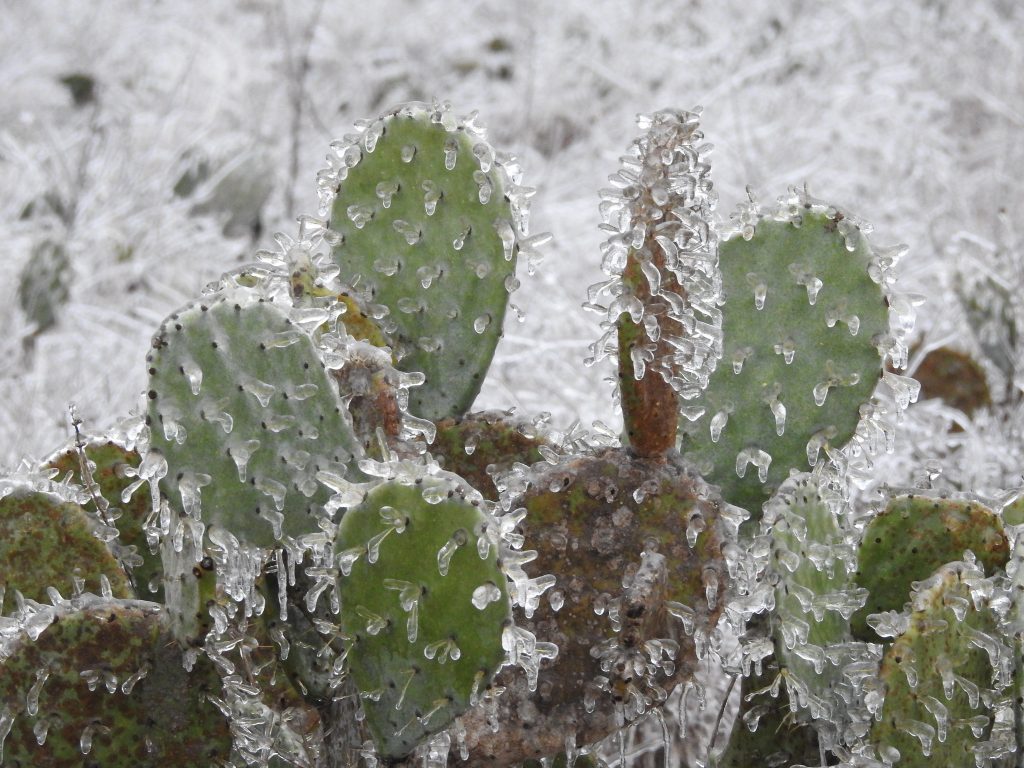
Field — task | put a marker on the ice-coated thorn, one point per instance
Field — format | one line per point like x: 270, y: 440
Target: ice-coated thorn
x: 759, y: 458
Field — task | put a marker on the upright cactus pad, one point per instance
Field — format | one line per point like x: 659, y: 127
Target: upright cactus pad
x: 805, y: 328
x: 244, y: 413
x: 45, y: 284
x: 424, y: 605
x: 938, y: 675
x: 105, y: 686
x: 913, y: 537
x: 427, y: 221
x: 814, y: 598
x: 47, y: 541
x: 112, y: 464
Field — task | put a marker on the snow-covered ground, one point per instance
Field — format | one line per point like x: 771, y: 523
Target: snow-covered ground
x: 911, y: 114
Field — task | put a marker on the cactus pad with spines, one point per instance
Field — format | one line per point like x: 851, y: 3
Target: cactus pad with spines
x: 242, y: 409
x: 913, y: 537
x: 938, y: 675
x: 814, y: 597
x: 112, y: 462
x: 104, y: 685
x: 425, y: 228
x: 479, y: 445
x: 423, y: 611
x: 805, y: 326
x: 47, y: 541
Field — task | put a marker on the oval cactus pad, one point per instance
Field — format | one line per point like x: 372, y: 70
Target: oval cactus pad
x: 426, y: 230
x: 424, y: 604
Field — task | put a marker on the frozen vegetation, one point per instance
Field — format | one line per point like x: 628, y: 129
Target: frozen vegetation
x: 146, y: 150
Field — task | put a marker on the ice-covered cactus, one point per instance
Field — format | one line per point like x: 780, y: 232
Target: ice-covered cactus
x: 45, y: 284
x: 244, y: 413
x: 915, y: 535
x: 942, y: 674
x: 805, y: 330
x: 47, y: 541
x: 427, y: 222
x: 424, y: 606
x: 103, y: 684
x: 662, y: 290
x: 113, y: 469
x: 480, y: 447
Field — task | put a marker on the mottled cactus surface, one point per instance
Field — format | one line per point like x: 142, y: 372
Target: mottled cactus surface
x: 47, y: 541
x: 424, y: 606
x: 938, y: 675
x: 805, y: 326
x: 105, y: 685
x: 113, y: 470
x: 244, y: 413
x: 913, y: 537
x: 423, y: 226
x: 480, y: 446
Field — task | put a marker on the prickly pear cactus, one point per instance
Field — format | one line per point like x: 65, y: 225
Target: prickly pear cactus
x: 805, y: 332
x: 242, y: 410
x: 427, y: 222
x: 114, y: 469
x: 480, y: 446
x: 638, y: 583
x: 914, y: 536
x: 102, y: 685
x: 47, y: 540
x: 661, y: 314
x: 424, y: 606
x: 938, y: 674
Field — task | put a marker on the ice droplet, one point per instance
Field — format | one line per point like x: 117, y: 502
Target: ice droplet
x: 261, y: 390
x: 485, y: 594
x: 779, y: 412
x: 410, y: 232
x: 484, y: 187
x: 447, y: 551
x: 408, y: 153
x: 385, y: 191
x: 32, y: 698
x: 760, y: 459
x: 359, y: 215
x: 194, y: 374
x: 431, y: 196
x: 481, y: 323
x: 451, y: 151
x: 718, y: 422
x: 460, y: 239
x: 241, y: 452
x: 274, y: 489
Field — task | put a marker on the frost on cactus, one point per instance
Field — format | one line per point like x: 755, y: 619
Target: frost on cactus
x: 663, y: 285
x: 805, y: 332
x: 427, y: 223
x: 481, y: 447
x: 245, y: 415
x: 910, y: 539
x: 942, y: 675
x: 113, y: 469
x: 424, y: 606
x: 628, y: 581
x: 48, y: 542
x: 104, y: 685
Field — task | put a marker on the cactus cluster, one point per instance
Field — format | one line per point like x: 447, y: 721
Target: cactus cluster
x: 306, y: 550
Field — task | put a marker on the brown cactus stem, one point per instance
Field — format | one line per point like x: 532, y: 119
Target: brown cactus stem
x: 649, y: 404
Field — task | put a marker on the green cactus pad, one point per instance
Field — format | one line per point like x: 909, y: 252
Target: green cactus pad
x: 814, y: 591
x: 423, y: 611
x: 245, y: 415
x: 111, y: 462
x: 914, y: 536
x: 426, y: 229
x: 104, y: 686
x: 932, y: 672
x: 804, y: 323
x: 48, y: 542
x: 479, y: 445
